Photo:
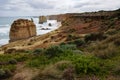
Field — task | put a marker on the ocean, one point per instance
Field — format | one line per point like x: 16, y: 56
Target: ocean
x: 5, y: 24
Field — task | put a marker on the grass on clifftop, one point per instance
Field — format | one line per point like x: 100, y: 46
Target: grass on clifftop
x: 65, y: 61
x: 93, y: 57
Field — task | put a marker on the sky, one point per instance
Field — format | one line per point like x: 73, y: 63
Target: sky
x: 48, y: 7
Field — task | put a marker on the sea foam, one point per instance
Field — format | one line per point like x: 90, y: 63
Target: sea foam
x: 41, y: 29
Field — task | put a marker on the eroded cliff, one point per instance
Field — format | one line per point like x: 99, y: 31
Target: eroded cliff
x: 22, y: 29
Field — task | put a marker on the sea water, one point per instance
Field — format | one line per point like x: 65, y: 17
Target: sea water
x: 5, y: 24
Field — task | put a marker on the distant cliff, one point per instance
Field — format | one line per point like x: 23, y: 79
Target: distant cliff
x: 96, y: 15
x: 22, y: 29
x: 91, y: 15
x: 59, y: 17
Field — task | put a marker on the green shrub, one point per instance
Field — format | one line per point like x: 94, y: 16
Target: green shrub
x: 52, y: 55
x: 14, y: 57
x: 117, y: 42
x: 95, y: 36
x: 62, y: 65
x: 117, y: 70
x: 87, y: 65
x: 9, y: 51
x: 72, y: 37
x: 29, y: 51
x: 5, y: 73
x: 64, y: 23
x: 2, y: 73
x: 34, y: 63
x: 12, y: 61
x: 29, y: 43
x: 68, y: 47
x: 6, y: 58
x: 10, y: 67
x: 58, y: 50
x: 63, y: 43
x: 9, y: 73
x: 53, y: 51
x: 38, y: 51
x: 38, y: 61
x: 71, y: 30
x: 21, y: 58
x: 77, y: 42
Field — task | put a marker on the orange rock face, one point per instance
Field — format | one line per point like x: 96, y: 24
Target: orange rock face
x: 22, y: 29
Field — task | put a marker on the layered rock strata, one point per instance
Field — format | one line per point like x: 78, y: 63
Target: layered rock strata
x: 22, y: 29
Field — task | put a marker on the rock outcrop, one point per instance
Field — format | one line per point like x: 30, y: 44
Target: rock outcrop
x: 60, y: 17
x: 22, y: 29
x: 42, y: 19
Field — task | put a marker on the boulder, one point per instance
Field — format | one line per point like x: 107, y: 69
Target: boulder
x: 22, y: 29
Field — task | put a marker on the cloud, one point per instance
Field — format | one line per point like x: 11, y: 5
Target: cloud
x: 17, y: 5
x: 46, y: 7
x: 98, y: 5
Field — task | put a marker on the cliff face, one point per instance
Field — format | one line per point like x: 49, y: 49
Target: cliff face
x: 94, y: 15
x: 22, y: 29
x: 60, y: 17
x: 101, y: 15
x: 78, y: 24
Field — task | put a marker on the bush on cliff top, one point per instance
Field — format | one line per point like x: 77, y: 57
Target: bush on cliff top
x: 95, y: 36
x: 58, y: 50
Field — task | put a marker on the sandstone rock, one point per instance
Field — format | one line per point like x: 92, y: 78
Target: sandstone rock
x: 59, y: 18
x: 42, y: 19
x: 22, y: 29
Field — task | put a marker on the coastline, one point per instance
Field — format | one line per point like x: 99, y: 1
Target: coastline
x: 55, y: 25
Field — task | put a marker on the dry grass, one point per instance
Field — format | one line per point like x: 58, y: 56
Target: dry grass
x: 108, y: 52
x: 107, y: 48
x: 53, y: 71
x: 103, y: 50
x: 111, y: 38
x: 23, y: 73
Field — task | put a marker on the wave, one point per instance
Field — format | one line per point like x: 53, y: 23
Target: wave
x: 5, y: 29
x: 6, y: 25
x: 4, y: 36
x: 3, y: 41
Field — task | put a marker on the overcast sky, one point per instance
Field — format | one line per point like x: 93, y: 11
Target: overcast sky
x: 47, y: 7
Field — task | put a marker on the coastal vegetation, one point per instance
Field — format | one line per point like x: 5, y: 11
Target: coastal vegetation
x: 99, y: 60
x: 82, y: 49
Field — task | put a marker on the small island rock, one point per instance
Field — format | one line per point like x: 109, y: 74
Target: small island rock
x: 22, y: 29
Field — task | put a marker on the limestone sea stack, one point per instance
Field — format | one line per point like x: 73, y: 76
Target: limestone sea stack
x: 42, y: 19
x: 22, y: 29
